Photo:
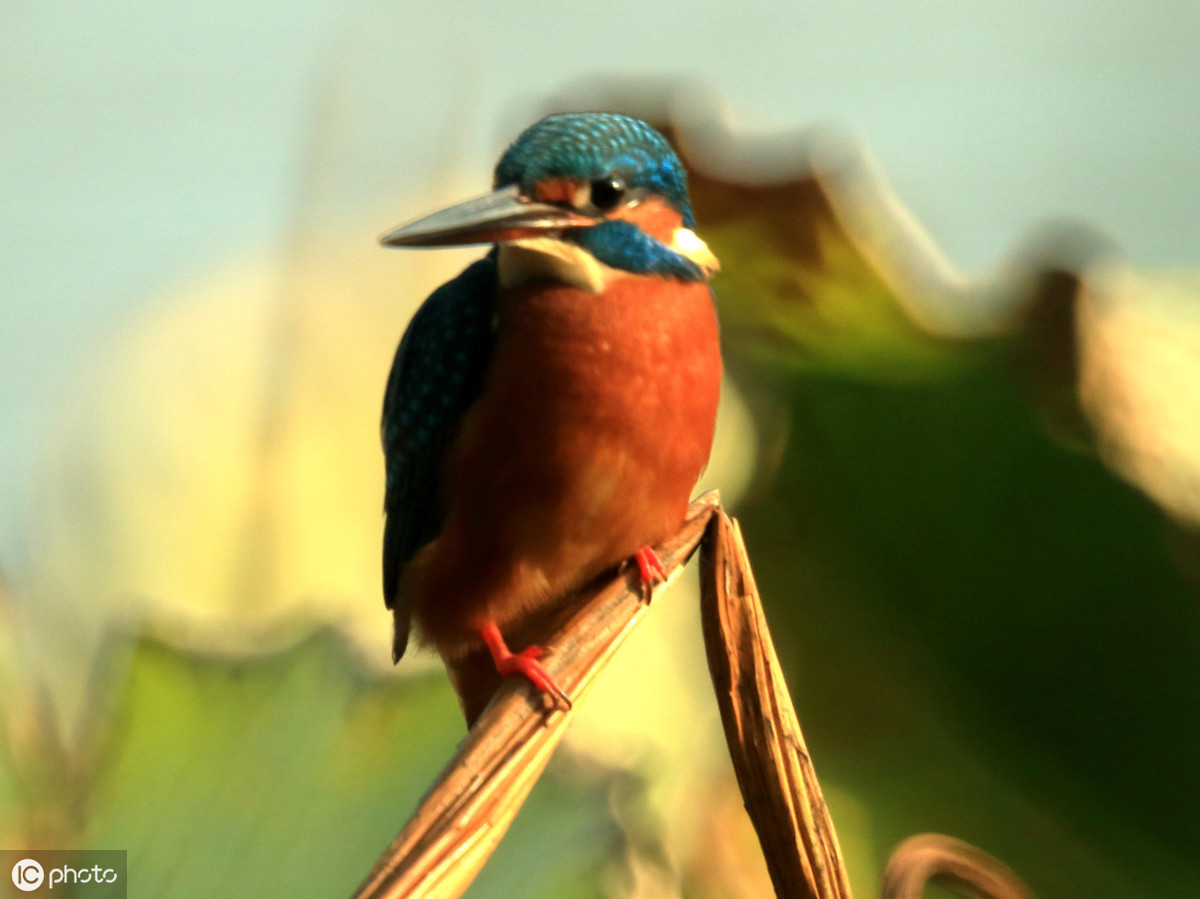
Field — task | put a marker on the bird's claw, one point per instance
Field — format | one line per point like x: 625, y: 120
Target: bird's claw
x: 524, y: 663
x: 650, y: 568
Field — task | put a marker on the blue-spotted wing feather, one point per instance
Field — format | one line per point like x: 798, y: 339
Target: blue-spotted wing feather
x: 436, y: 376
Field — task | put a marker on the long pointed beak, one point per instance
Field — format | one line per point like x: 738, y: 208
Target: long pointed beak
x: 502, y: 215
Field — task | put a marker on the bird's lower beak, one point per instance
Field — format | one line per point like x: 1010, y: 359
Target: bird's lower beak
x: 499, y: 216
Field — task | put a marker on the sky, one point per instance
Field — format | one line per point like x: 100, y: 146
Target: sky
x: 145, y: 145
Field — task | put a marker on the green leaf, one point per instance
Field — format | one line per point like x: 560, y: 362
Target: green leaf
x: 288, y: 775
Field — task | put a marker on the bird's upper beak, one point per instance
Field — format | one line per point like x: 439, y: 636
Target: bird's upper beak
x: 502, y: 215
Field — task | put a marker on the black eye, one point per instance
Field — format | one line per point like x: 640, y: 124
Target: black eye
x: 607, y: 193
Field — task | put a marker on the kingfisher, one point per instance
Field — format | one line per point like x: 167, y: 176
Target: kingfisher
x: 550, y: 409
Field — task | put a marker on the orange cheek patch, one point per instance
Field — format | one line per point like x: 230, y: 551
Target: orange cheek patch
x: 556, y: 190
x: 654, y: 217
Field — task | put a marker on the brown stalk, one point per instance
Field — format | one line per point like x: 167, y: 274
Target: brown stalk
x: 468, y: 809
x: 774, y: 771
x: 773, y: 768
x: 933, y: 858
x: 470, y: 806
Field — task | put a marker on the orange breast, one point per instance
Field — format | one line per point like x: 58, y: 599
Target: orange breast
x: 595, y: 421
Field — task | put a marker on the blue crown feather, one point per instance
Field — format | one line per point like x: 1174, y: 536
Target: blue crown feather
x: 592, y: 145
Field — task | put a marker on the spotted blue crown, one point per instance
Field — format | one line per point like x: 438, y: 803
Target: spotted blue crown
x: 592, y: 145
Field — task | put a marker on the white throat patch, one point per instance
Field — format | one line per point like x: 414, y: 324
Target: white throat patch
x: 550, y: 259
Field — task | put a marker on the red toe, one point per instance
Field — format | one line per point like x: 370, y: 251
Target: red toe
x: 650, y: 567
x: 524, y: 663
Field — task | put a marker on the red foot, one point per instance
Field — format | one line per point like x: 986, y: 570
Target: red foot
x: 651, y: 569
x: 524, y: 663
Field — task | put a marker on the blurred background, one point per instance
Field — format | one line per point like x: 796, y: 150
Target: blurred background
x: 964, y: 451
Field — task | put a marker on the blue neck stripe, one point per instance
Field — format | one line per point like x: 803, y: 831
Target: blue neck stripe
x: 623, y: 245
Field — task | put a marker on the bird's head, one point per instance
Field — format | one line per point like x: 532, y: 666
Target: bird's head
x: 580, y: 198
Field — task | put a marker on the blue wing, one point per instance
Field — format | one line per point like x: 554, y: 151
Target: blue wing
x: 436, y: 376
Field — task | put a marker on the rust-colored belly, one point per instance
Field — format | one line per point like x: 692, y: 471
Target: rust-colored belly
x: 595, y: 421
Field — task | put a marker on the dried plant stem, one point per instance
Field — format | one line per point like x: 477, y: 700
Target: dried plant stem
x: 770, y: 758
x: 468, y: 809
x: 934, y: 858
x: 470, y: 806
